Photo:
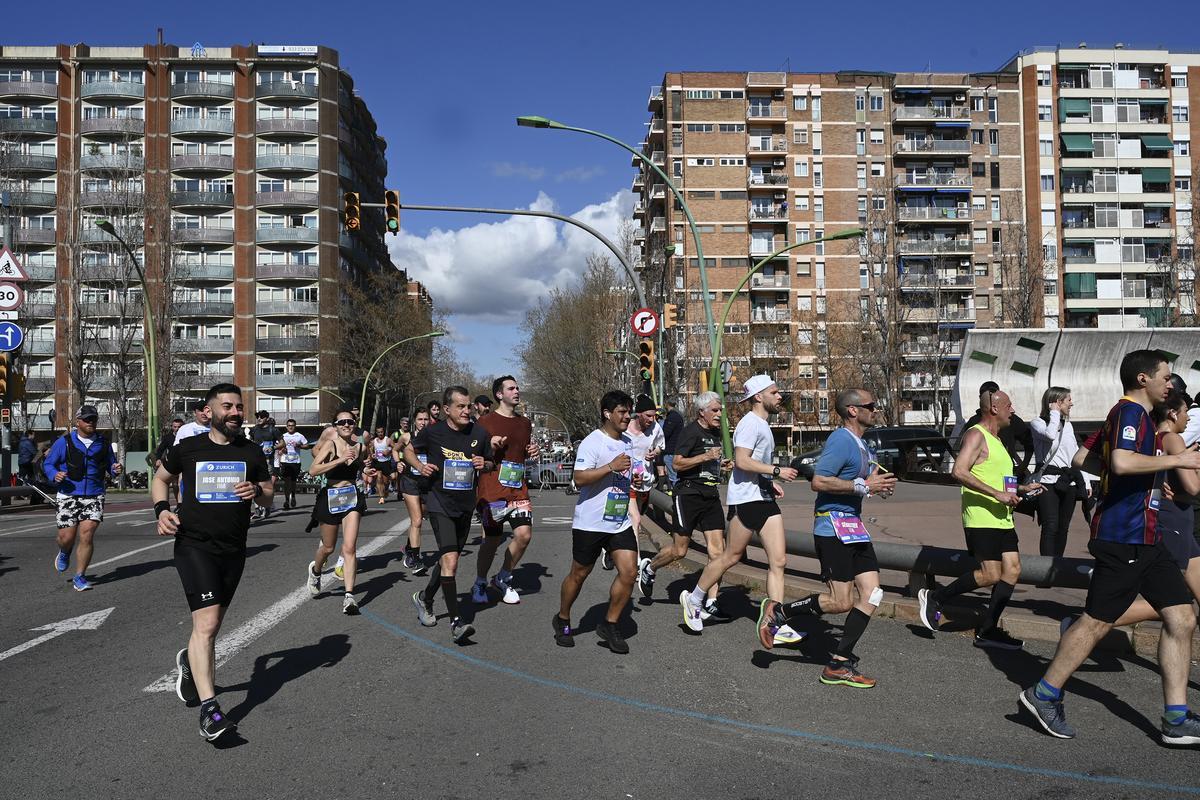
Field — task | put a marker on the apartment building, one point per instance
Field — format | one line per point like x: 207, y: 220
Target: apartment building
x: 980, y: 203
x: 224, y: 169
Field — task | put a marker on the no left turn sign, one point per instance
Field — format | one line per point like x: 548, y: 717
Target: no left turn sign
x: 644, y: 322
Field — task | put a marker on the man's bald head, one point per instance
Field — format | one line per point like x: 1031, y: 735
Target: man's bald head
x: 996, y: 404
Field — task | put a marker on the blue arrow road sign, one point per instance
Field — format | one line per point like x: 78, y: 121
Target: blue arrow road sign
x: 11, y: 336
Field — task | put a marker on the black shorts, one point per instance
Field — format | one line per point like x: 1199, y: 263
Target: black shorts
x: 989, y: 544
x: 842, y: 562
x: 409, y: 484
x: 754, y: 515
x: 208, y: 579
x: 1181, y: 545
x: 321, y: 511
x: 512, y: 514
x: 289, y: 471
x: 449, y: 532
x: 695, y: 512
x: 586, y: 545
x: 1123, y: 571
x: 387, y: 467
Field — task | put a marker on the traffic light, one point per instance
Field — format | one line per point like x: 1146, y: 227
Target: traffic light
x: 18, y: 387
x: 703, y: 381
x: 646, y: 360
x: 391, y: 200
x: 670, y: 316
x: 352, y: 211
x: 5, y: 363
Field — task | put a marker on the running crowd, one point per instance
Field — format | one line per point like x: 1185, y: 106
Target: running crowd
x: 463, y: 459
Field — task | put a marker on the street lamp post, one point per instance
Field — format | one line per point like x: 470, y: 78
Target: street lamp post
x: 148, y: 337
x: 626, y: 353
x: 362, y: 403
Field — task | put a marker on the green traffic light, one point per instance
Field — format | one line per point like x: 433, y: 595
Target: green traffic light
x: 393, y: 225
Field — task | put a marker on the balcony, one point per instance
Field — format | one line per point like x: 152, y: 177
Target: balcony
x: 203, y: 235
x: 202, y: 381
x: 760, y: 281
x: 296, y: 272
x: 36, y: 236
x: 763, y: 145
x: 942, y: 349
x: 286, y: 90
x: 113, y: 90
x: 39, y: 385
x: 784, y: 419
x: 287, y: 200
x: 658, y: 224
x: 929, y: 281
x: 655, y: 98
x: 24, y: 162
x: 38, y: 310
x: 111, y: 199
x: 286, y: 126
x: 203, y: 344
x: 24, y: 126
x: 286, y: 308
x: 933, y: 146
x: 930, y: 112
x: 770, y: 213
x: 639, y: 234
x: 771, y: 348
x: 112, y: 162
x: 932, y: 213
x: 38, y: 347
x: 287, y: 236
x: 1079, y: 258
x: 944, y: 314
x: 928, y: 382
x: 222, y: 273
x: 21, y: 90
x: 909, y: 247
x: 204, y: 308
x: 658, y: 157
x: 202, y: 163
x: 202, y: 199
x: 287, y: 344
x: 774, y: 315
x: 205, y: 90
x: 285, y: 381
x: 44, y: 273
x: 759, y: 247
x: 287, y: 163
x: 768, y: 179
x: 772, y: 79
x: 761, y: 111
x: 22, y: 198
x: 202, y: 126
x: 123, y: 126
x: 933, y: 179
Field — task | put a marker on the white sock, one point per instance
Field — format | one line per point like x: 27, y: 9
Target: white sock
x: 697, y: 596
x: 649, y: 570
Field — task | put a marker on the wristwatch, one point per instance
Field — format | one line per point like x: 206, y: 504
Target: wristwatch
x: 258, y: 490
x: 775, y: 472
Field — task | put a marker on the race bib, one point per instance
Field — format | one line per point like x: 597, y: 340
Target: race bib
x: 342, y: 499
x: 424, y: 459
x: 616, y: 507
x: 268, y: 448
x: 849, y: 528
x: 290, y: 458
x: 1155, y: 499
x: 458, y: 475
x: 1010, y: 484
x: 512, y: 474
x: 215, y: 481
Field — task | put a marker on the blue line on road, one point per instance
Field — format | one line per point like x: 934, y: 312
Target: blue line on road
x: 856, y: 744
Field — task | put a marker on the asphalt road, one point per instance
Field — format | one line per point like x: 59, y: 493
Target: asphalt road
x: 378, y: 706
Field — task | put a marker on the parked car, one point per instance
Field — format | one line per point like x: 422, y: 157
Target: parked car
x: 549, y: 472
x: 901, y: 450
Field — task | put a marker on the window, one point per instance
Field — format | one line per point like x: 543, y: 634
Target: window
x: 801, y: 168
x: 978, y: 169
x: 1045, y: 146
x: 993, y: 115
x: 995, y: 174
x: 1043, y: 76
x: 1183, y: 147
x: 822, y: 378
x: 800, y: 102
x: 995, y: 209
x: 816, y: 143
x: 731, y: 127
x: 981, y: 301
x: 1183, y: 183
x: 1050, y: 287
x: 877, y: 102
x: 698, y: 194
x: 861, y: 175
x: 1179, y: 113
x: 804, y: 303
x: 1044, y: 112
x: 1050, y: 252
x: 977, y: 103
x: 860, y: 102
x: 860, y: 142
x: 801, y: 202
x: 700, y: 94
x: 732, y: 162
x: 1178, y: 80
x: 816, y: 109
x: 876, y: 136
x: 1048, y: 183
x: 734, y: 195
x: 1048, y: 218
x: 818, y: 176
x: 994, y: 142
x: 699, y: 127
x: 979, y: 235
x: 730, y: 94
x: 700, y: 162
x: 733, y: 229
x: 876, y: 169
x: 818, y: 209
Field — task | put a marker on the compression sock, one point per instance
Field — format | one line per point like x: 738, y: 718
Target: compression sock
x: 1173, y: 715
x: 807, y: 605
x: 1001, y: 594
x: 1045, y: 691
x: 450, y: 593
x: 961, y: 585
x: 431, y: 588
x: 852, y: 631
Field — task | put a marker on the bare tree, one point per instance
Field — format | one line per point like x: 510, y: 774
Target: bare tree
x: 1171, y: 280
x: 1020, y: 265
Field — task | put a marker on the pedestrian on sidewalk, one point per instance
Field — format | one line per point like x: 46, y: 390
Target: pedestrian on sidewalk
x: 1055, y: 445
x: 27, y: 452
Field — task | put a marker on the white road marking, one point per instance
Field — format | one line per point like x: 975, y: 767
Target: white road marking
x: 47, y: 523
x: 84, y: 622
x: 231, y: 644
x: 167, y: 540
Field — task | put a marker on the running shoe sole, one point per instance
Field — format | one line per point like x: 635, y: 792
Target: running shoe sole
x: 923, y: 597
x: 463, y: 633
x: 994, y: 645
x: 1179, y: 741
x: 1024, y: 701
x: 845, y: 682
x: 765, y: 637
x: 788, y: 635
x: 508, y: 595
x: 85, y: 586
x: 212, y: 737
x: 180, y: 685
x: 423, y: 613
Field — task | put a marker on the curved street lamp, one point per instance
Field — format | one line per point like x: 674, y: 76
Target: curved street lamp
x: 362, y: 403
x: 148, y: 351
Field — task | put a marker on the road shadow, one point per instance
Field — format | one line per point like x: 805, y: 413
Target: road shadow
x: 527, y: 577
x: 377, y: 584
x: 272, y: 671
x: 7, y: 569
x: 127, y: 571
x: 595, y: 615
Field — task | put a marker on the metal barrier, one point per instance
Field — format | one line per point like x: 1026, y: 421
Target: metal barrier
x: 924, y: 562
x: 25, y: 490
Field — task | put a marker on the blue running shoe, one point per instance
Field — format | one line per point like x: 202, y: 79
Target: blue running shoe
x: 80, y: 583
x: 62, y: 561
x: 479, y: 594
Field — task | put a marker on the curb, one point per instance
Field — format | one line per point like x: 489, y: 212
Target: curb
x: 1140, y: 639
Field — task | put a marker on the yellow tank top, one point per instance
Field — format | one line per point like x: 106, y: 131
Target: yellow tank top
x: 981, y: 510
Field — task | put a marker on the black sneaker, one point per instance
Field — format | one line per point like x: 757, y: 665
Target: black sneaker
x: 645, y: 578
x: 185, y: 686
x: 997, y: 639
x: 563, y: 635
x: 213, y: 723
x: 606, y: 561
x: 460, y: 631
x: 410, y: 559
x: 712, y: 610
x: 612, y: 636
x: 931, y: 610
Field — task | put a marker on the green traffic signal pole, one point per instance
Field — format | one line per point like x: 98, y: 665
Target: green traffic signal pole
x: 362, y: 403
x: 852, y: 233
x: 531, y: 121
x: 147, y: 336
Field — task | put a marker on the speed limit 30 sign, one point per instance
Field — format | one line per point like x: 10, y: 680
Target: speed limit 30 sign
x: 12, y: 297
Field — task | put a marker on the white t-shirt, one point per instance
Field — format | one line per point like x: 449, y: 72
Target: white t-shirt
x: 754, y: 434
x: 642, y: 443
x: 603, y: 506
x: 189, y: 429
x: 292, y: 442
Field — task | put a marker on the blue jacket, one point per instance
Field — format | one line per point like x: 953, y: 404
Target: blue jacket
x: 26, y: 451
x: 97, y: 462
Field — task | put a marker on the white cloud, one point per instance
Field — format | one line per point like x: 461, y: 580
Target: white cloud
x: 579, y: 174
x: 507, y: 169
x: 494, y: 271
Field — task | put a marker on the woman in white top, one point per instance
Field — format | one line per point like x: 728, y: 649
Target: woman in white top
x: 1054, y: 446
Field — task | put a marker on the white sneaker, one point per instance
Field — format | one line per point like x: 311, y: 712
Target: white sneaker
x: 788, y: 635
x: 313, y: 580
x: 508, y: 595
x: 349, y: 605
x: 339, y: 568
x: 691, y: 612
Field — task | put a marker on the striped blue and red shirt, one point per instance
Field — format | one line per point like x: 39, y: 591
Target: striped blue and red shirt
x: 1127, y: 506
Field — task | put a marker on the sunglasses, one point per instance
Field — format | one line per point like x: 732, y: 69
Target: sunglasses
x: 344, y: 422
x: 867, y: 406
x: 90, y: 420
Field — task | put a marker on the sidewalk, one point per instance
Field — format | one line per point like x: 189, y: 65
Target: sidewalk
x: 922, y: 514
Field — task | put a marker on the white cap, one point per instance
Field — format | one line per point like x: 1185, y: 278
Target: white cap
x: 757, y: 384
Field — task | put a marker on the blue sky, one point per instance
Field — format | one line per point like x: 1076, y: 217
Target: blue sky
x: 445, y: 81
